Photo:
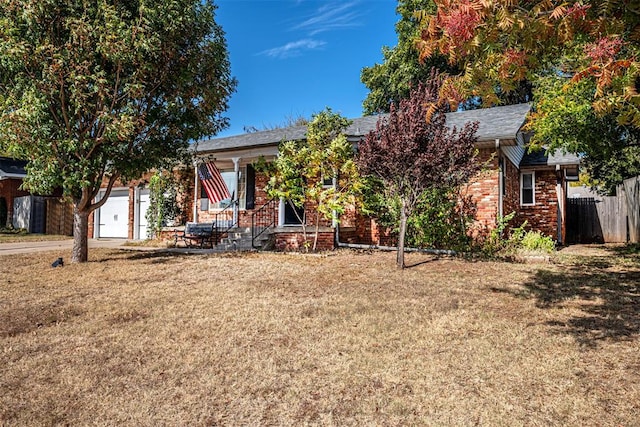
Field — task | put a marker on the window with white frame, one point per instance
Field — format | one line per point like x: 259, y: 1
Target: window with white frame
x: 528, y: 188
x: 229, y: 177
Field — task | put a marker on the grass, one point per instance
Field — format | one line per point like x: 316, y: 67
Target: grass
x: 337, y: 339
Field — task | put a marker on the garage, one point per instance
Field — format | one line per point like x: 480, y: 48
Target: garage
x: 141, y: 214
x: 113, y: 216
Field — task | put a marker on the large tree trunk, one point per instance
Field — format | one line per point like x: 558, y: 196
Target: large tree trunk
x: 403, y: 231
x: 80, y: 228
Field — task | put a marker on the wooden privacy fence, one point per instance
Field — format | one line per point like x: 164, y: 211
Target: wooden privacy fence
x: 632, y: 193
x: 59, y: 217
x: 606, y: 219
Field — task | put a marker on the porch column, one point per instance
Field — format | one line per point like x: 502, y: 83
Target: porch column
x: 236, y: 200
x: 195, y: 191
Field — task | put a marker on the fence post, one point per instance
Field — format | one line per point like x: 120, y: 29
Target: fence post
x: 632, y: 191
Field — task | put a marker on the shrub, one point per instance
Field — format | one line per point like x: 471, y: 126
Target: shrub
x: 163, y: 204
x: 535, y: 241
x: 518, y: 239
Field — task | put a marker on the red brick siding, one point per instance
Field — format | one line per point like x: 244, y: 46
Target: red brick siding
x: 485, y: 193
x: 511, y: 201
x: 367, y: 231
x: 294, y: 241
x: 543, y: 216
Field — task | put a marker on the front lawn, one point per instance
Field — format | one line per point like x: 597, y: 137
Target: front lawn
x: 340, y: 339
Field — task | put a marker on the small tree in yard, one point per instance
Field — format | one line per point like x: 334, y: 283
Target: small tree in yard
x: 93, y: 92
x: 412, y: 151
x: 320, y: 170
x: 163, y: 202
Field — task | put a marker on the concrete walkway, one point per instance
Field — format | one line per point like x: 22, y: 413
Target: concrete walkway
x: 54, y: 245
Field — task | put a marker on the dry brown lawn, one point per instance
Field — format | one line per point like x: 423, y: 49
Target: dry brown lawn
x: 146, y: 339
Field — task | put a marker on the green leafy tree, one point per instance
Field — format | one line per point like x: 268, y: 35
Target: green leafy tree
x: 401, y: 69
x: 566, y: 119
x: 412, y: 155
x: 319, y: 171
x: 96, y: 92
x: 588, y: 48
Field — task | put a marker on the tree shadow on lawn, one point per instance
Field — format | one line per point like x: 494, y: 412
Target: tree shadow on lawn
x: 153, y: 257
x: 609, y: 300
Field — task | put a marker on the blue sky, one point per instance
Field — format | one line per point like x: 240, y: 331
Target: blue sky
x: 295, y: 57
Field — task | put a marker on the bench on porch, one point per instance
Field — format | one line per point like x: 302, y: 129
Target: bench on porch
x: 202, y: 234
x: 195, y: 235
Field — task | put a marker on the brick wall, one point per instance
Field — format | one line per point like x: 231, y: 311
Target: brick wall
x: 366, y: 230
x: 288, y: 241
x: 543, y: 216
x: 511, y: 201
x: 484, y: 192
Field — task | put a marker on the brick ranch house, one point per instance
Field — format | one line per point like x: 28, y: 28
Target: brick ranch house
x: 533, y: 185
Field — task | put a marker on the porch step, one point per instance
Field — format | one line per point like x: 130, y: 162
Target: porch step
x: 239, y: 239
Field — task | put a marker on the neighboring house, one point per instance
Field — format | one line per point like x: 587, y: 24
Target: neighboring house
x: 34, y: 213
x: 533, y: 185
x: 12, y: 173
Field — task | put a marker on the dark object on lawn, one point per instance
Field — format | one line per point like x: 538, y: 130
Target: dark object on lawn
x: 58, y: 262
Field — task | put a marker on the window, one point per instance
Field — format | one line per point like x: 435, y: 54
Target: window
x: 327, y: 182
x: 527, y: 188
x: 229, y: 177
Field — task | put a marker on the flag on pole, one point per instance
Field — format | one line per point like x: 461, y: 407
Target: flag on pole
x: 212, y: 182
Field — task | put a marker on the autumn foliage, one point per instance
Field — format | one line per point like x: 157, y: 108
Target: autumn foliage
x: 412, y: 150
x: 501, y: 43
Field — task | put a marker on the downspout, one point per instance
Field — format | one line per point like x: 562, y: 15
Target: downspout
x: 559, y: 195
x: 500, y: 181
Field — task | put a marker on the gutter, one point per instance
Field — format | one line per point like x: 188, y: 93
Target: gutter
x: 390, y: 248
x: 11, y: 175
x: 501, y: 172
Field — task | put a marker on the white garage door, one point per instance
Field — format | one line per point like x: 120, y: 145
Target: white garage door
x: 114, y: 215
x: 142, y: 214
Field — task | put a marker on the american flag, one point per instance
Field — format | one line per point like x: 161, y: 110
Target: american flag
x: 213, y: 183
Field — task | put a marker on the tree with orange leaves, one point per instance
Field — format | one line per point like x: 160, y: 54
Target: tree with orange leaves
x: 589, y: 48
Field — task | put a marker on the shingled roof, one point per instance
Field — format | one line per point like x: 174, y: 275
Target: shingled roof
x: 546, y: 158
x: 12, y: 168
x: 494, y: 123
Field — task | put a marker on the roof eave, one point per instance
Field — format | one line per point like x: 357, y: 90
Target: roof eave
x: 12, y: 175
